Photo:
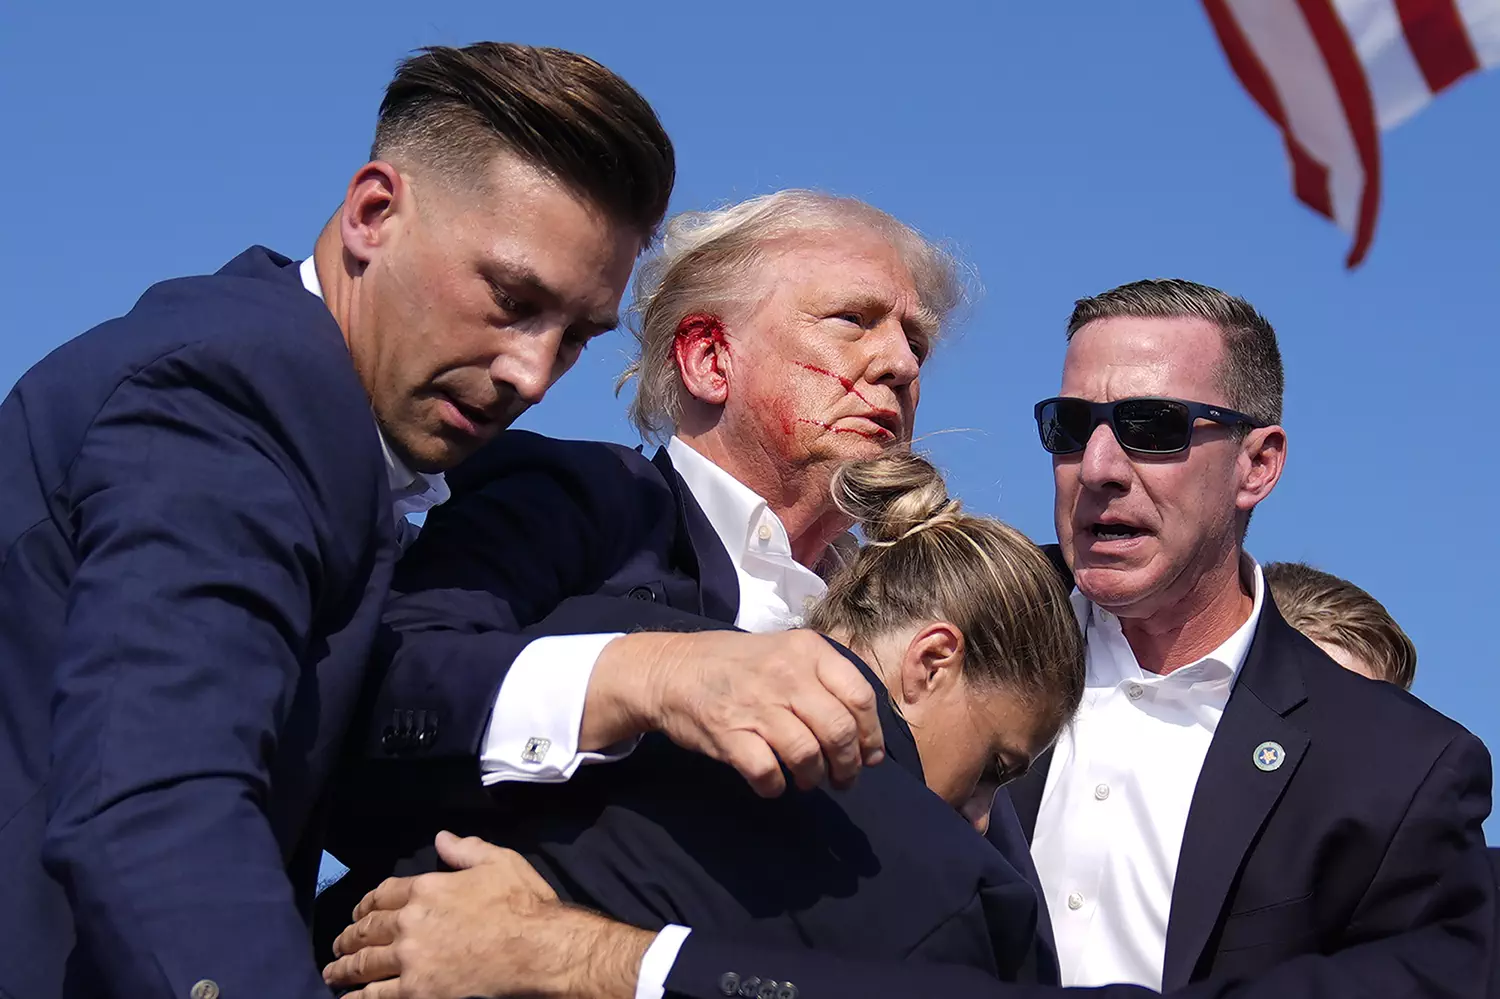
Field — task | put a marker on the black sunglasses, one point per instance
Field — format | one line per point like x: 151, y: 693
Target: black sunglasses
x: 1143, y: 425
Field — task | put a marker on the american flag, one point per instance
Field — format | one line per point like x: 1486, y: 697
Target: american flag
x: 1335, y: 74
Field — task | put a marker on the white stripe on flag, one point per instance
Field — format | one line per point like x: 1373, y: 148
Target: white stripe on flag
x: 1396, y: 82
x: 1278, y: 33
x: 1482, y: 19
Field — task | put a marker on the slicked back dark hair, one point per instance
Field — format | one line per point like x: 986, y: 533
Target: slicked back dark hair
x: 1251, y: 375
x: 453, y: 109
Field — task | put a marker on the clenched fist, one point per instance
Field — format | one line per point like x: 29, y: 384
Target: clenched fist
x: 746, y: 700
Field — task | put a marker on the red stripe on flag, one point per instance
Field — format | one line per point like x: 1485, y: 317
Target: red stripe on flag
x: 1309, y: 177
x: 1348, y: 76
x: 1438, y: 40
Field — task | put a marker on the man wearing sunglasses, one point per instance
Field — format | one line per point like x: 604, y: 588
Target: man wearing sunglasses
x: 1229, y: 798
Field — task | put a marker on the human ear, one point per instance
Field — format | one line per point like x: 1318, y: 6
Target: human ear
x: 375, y: 195
x: 932, y: 664
x: 1261, y: 461
x: 703, y: 357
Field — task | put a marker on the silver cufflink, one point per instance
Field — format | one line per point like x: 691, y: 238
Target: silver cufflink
x: 536, y: 750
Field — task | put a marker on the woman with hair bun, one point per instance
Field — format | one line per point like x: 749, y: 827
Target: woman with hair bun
x: 964, y: 621
x: 964, y: 624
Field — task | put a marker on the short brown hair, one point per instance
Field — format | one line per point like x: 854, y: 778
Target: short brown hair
x: 454, y: 108
x: 1328, y: 609
x: 1251, y: 376
x: 926, y: 560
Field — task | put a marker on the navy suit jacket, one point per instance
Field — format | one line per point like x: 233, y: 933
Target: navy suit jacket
x: 884, y: 869
x: 1356, y: 868
x: 532, y: 522
x: 195, y: 542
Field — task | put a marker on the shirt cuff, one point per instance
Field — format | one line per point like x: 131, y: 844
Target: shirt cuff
x: 532, y: 734
x: 656, y: 963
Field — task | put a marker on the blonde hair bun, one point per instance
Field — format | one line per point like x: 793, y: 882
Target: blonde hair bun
x: 893, y: 497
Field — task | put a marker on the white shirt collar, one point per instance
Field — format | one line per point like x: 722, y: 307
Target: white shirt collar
x: 1111, y: 659
x: 734, y: 510
x: 411, y: 492
x: 775, y: 590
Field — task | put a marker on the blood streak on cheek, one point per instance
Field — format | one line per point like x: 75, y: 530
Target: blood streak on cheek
x: 873, y: 435
x: 848, y: 385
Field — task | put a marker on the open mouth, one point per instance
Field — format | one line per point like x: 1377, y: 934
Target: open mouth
x: 1116, y: 532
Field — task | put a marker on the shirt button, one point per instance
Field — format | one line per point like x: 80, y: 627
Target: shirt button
x: 1134, y: 691
x: 764, y: 532
x: 205, y: 989
x: 1075, y: 901
x: 1101, y: 791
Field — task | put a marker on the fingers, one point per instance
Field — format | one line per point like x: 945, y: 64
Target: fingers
x: 378, y: 990
x: 374, y: 929
x: 843, y: 680
x: 392, y: 893
x: 753, y: 758
x: 796, y: 746
x: 369, y: 965
x: 835, y: 736
x: 468, y: 851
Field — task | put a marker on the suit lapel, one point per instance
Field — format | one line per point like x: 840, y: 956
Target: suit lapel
x: 699, y: 549
x: 1234, y: 797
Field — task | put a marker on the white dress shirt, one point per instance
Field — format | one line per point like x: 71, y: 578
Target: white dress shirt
x: 411, y: 492
x: 533, y: 730
x: 1112, y: 814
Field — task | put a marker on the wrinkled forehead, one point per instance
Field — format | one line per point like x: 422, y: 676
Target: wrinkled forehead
x: 1120, y: 357
x: 846, y: 268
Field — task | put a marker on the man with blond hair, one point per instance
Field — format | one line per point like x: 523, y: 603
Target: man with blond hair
x: 779, y: 338
x: 1344, y: 621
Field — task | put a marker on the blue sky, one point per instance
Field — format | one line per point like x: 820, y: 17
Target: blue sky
x: 1061, y: 148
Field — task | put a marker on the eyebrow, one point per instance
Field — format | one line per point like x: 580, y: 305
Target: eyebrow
x: 923, y: 323
x: 528, y: 281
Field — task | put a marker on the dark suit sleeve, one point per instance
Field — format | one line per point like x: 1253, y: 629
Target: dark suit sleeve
x: 196, y: 577
x: 536, y: 521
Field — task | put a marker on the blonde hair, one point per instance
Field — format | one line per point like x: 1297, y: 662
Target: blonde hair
x: 704, y: 264
x: 926, y: 559
x: 1328, y: 609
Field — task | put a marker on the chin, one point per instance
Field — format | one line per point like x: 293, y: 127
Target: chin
x: 1113, y: 588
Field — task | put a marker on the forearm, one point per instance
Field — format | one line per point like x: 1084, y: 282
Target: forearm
x: 611, y: 958
x: 620, y: 698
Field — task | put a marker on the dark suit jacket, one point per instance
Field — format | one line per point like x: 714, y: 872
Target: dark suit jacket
x: 1494, y: 992
x: 195, y: 541
x: 532, y: 522
x: 884, y: 869
x: 1356, y: 868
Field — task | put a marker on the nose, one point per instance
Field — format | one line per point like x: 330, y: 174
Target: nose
x: 977, y: 809
x: 895, y: 363
x: 1104, y: 463
x: 528, y: 364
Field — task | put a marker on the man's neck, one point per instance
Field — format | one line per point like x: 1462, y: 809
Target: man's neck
x: 1192, y: 627
x: 333, y: 278
x: 799, y: 497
